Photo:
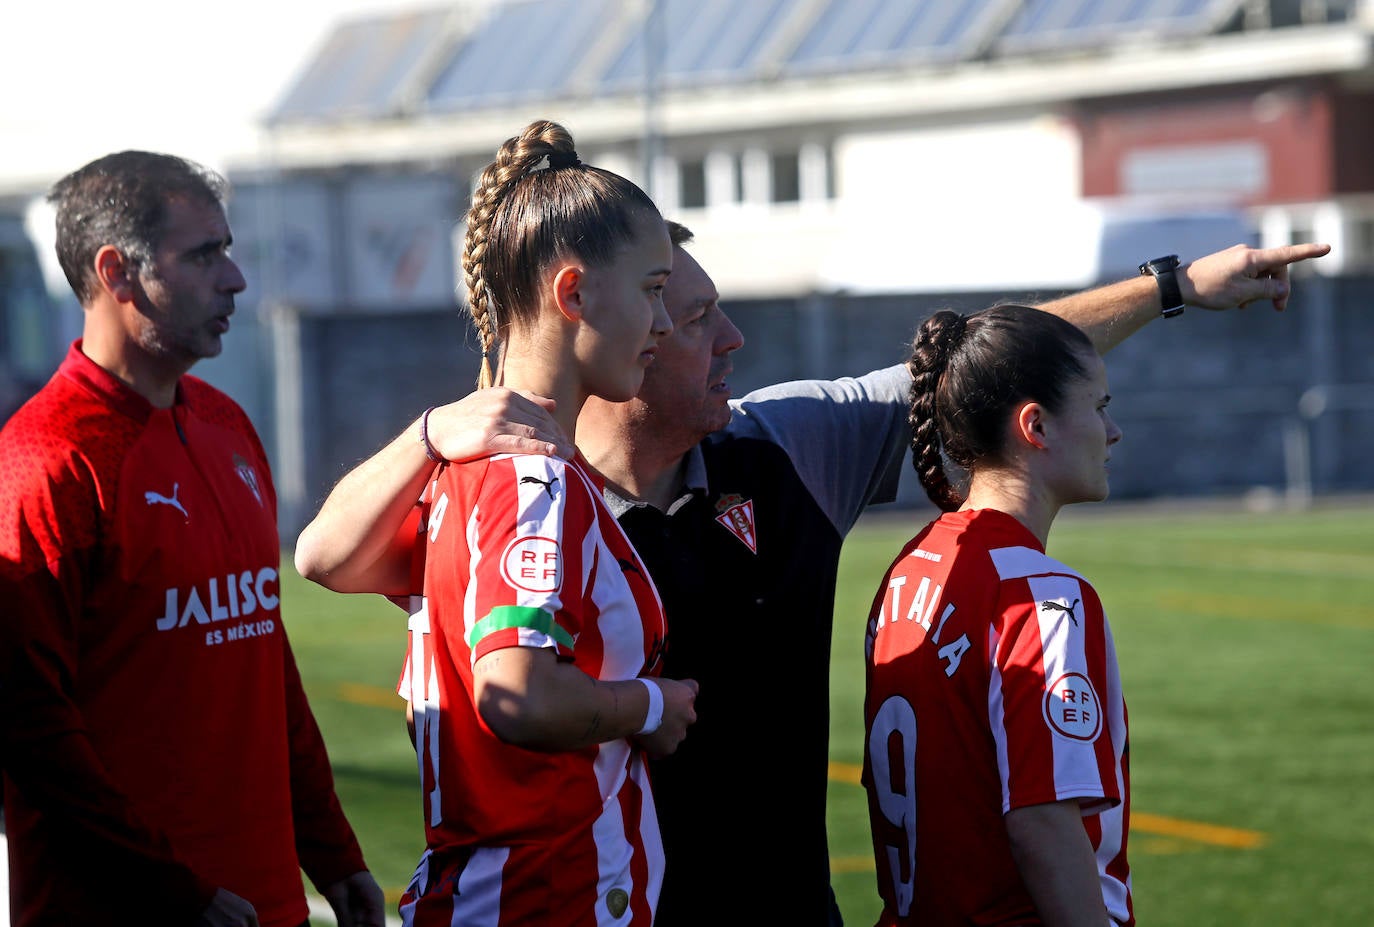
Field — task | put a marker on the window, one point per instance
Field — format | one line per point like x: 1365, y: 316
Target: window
x: 692, y: 179
x: 785, y: 177
x: 755, y: 176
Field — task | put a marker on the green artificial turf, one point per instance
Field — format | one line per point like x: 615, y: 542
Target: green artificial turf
x: 1246, y: 643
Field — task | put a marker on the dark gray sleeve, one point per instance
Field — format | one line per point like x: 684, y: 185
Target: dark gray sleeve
x: 846, y: 438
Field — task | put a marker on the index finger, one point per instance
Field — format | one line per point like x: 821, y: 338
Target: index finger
x: 1290, y: 254
x: 1275, y: 262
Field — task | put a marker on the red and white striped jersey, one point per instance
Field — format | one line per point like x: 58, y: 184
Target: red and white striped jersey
x: 522, y: 552
x: 992, y: 684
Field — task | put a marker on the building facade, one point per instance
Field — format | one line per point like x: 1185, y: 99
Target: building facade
x: 848, y: 166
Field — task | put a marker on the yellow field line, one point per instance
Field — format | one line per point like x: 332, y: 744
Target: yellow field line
x: 847, y: 773
x: 1268, y: 609
x: 361, y: 694
x: 1197, y: 831
x: 1214, y: 834
x: 1267, y: 560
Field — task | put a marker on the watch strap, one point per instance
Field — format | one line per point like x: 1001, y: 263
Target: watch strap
x: 1164, y: 270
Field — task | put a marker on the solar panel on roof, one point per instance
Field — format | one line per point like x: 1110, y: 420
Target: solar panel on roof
x: 869, y: 33
x: 524, y: 50
x: 934, y: 26
x: 362, y: 67
x: 706, y: 40
x: 737, y: 45
x: 1060, y: 14
x: 533, y: 49
x: 970, y: 24
x: 892, y: 25
x: 1052, y: 24
x: 836, y: 30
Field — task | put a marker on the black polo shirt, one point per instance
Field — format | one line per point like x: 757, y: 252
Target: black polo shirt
x: 745, y: 561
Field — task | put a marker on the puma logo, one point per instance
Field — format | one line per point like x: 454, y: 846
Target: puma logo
x: 628, y: 566
x: 547, y: 484
x: 156, y: 498
x: 1067, y: 609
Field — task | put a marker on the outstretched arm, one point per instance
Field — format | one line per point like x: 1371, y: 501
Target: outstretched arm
x: 356, y: 543
x: 1228, y: 279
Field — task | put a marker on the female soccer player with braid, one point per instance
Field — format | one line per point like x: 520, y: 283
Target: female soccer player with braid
x: 535, y: 646
x: 995, y: 758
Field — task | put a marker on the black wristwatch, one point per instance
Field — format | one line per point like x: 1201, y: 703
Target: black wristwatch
x: 1170, y: 296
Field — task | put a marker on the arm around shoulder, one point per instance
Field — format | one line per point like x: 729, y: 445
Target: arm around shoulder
x: 361, y: 539
x: 357, y: 542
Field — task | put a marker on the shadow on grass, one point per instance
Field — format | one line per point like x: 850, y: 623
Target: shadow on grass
x: 377, y: 775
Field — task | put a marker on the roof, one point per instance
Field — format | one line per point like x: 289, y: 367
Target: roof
x: 460, y: 58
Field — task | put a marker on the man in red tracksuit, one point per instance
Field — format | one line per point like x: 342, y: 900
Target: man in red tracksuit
x: 162, y: 765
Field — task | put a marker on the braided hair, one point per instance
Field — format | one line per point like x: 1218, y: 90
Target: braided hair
x: 535, y: 202
x: 970, y: 372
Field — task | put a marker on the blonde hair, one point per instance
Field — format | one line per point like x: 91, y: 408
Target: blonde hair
x: 535, y: 202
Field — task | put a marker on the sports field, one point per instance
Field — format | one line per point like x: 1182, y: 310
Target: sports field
x: 1246, y: 643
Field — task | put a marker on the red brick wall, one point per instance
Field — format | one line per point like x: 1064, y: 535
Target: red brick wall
x: 1288, y: 129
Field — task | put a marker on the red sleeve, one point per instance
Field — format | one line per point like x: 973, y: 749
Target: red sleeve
x: 325, y: 842
x: 530, y: 573
x: 51, y: 765
x: 1054, y: 675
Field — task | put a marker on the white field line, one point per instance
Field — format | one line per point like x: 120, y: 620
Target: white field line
x: 321, y: 914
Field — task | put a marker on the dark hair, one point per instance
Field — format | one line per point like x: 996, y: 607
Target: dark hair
x: 121, y: 200
x: 679, y: 234
x: 969, y: 372
x: 524, y: 214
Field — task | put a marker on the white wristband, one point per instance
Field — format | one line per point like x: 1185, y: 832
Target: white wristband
x: 654, y: 719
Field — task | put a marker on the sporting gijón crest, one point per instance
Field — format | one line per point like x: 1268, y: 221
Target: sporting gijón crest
x: 736, y: 513
x: 249, y: 476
